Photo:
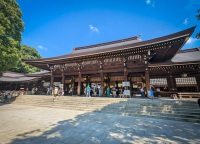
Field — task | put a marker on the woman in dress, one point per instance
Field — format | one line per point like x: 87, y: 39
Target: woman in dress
x: 108, y: 92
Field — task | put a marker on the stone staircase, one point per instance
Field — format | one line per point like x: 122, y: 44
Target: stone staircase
x: 188, y: 111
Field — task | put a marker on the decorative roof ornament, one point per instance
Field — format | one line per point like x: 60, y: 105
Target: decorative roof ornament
x: 184, y: 75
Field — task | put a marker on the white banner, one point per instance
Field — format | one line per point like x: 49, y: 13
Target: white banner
x: 125, y: 84
x: 56, y: 83
x: 60, y: 85
x: 46, y: 84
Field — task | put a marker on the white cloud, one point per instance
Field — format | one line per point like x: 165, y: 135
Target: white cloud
x: 93, y: 28
x: 191, y: 40
x: 185, y: 21
x: 42, y: 47
x: 151, y: 3
x: 148, y: 1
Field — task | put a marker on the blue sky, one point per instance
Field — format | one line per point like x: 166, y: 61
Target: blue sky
x: 55, y: 27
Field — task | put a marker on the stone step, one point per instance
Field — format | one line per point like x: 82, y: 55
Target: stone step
x: 130, y: 113
x: 138, y: 110
x: 107, y: 99
x: 196, y: 115
x: 156, y: 110
x: 193, y: 120
x: 119, y: 102
x: 112, y: 106
x: 60, y: 104
x: 118, y: 107
x: 166, y: 109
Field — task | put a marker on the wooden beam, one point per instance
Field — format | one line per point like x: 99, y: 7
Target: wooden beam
x: 63, y: 78
x: 102, y: 82
x: 147, y: 79
x: 79, y: 84
x: 52, y: 79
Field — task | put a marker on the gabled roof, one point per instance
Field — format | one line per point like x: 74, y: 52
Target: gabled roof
x: 107, y: 45
x: 39, y: 74
x: 186, y: 32
x: 189, y: 56
x: 167, y: 47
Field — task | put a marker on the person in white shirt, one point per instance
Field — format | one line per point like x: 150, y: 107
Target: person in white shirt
x: 142, y: 92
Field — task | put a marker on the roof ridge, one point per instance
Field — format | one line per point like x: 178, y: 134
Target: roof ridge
x: 107, y: 43
x: 189, y: 50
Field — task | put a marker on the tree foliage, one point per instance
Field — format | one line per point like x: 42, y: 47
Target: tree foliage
x: 198, y: 18
x: 26, y: 52
x: 11, y: 27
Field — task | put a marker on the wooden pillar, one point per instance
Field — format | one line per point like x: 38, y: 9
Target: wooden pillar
x: 171, y: 82
x: 125, y: 74
x: 52, y: 79
x: 63, y: 82
x: 108, y: 78
x: 15, y: 86
x: 79, y: 84
x: 102, y: 81
x: 131, y: 85
x: 117, y: 83
x: 63, y: 78
x: 198, y: 82
x: 124, y: 59
x: 147, y: 79
x: 71, y: 90
x: 87, y: 80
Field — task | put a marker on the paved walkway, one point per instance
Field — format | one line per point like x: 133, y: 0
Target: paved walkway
x: 39, y: 125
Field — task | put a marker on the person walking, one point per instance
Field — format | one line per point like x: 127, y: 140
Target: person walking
x: 53, y: 93
x: 51, y: 90
x: 114, y: 92
x: 151, y: 92
x: 88, y: 89
x: 48, y: 91
x: 100, y: 92
x: 121, y: 95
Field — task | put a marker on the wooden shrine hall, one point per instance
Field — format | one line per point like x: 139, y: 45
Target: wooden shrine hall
x: 157, y: 61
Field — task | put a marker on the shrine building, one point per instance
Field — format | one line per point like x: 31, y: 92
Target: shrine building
x: 159, y: 62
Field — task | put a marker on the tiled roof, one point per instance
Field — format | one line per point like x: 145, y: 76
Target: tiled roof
x: 15, y: 77
x: 12, y: 74
x: 21, y: 79
x: 187, y: 55
x: 105, y: 46
x: 41, y: 72
x: 38, y: 74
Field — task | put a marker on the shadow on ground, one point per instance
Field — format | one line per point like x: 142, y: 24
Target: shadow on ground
x: 92, y: 127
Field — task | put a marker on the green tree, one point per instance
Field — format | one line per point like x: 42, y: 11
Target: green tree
x: 198, y: 18
x: 11, y: 28
x: 26, y: 52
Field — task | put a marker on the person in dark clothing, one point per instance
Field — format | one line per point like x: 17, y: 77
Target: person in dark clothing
x: 117, y: 91
x: 199, y: 102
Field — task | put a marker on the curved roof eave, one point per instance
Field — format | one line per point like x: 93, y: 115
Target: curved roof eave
x: 23, y: 79
x: 170, y: 63
x: 39, y: 74
x: 186, y: 32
